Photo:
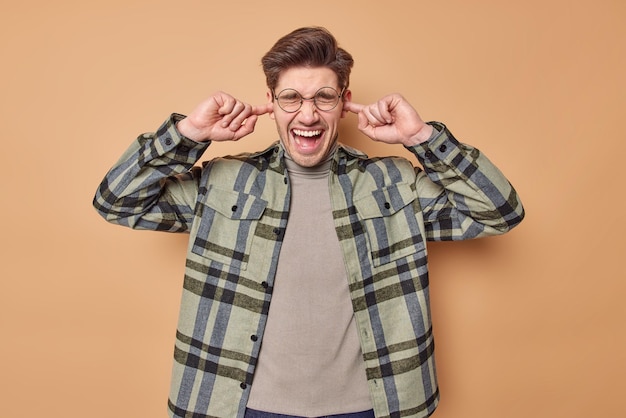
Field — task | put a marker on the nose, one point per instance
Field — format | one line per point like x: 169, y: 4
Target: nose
x: 308, y: 111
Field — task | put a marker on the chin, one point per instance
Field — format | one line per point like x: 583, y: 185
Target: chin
x: 307, y: 161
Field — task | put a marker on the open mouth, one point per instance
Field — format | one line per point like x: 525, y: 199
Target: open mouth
x: 306, y: 139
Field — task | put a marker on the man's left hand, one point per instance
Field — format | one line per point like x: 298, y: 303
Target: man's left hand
x: 391, y: 120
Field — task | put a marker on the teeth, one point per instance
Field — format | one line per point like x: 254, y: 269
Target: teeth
x: 307, y: 134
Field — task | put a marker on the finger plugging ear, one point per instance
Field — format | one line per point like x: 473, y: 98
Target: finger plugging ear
x: 352, y: 107
x: 262, y: 109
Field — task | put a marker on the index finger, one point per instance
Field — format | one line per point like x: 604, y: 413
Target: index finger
x: 263, y: 109
x: 352, y: 107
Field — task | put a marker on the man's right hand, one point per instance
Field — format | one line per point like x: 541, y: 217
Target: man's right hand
x: 221, y: 117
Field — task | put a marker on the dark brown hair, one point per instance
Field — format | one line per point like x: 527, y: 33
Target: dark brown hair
x: 307, y: 47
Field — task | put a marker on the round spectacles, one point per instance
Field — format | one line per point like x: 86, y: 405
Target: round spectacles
x: 325, y: 99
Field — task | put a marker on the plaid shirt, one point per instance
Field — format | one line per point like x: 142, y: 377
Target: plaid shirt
x: 236, y: 210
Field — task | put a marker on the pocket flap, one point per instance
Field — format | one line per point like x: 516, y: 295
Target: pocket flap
x: 235, y: 205
x: 385, y: 201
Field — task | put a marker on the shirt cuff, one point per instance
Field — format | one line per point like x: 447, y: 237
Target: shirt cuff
x: 440, y: 148
x: 171, y: 140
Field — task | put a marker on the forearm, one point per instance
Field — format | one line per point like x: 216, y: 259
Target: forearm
x: 463, y: 186
x: 152, y: 182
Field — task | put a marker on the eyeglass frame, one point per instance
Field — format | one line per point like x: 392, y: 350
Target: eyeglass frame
x: 303, y: 99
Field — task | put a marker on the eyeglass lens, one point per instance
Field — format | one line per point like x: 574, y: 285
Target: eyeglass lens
x: 325, y: 99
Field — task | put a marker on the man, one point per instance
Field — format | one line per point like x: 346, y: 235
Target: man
x: 306, y: 285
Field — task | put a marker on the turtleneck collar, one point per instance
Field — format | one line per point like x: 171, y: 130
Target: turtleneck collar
x: 318, y: 171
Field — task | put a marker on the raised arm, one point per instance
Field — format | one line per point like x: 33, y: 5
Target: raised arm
x: 154, y: 184
x: 462, y: 193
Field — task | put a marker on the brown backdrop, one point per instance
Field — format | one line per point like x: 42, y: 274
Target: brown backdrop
x: 527, y: 325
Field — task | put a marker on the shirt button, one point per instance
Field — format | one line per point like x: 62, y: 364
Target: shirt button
x: 443, y: 148
x: 243, y: 385
x: 234, y: 208
x: 387, y: 205
x: 168, y: 141
x: 265, y: 285
x: 254, y: 338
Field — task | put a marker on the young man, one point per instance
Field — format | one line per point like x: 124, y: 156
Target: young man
x: 306, y: 285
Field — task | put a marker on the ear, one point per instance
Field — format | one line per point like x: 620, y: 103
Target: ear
x: 347, y: 97
x: 270, y: 99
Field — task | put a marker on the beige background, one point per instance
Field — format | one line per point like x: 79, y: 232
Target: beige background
x: 528, y: 325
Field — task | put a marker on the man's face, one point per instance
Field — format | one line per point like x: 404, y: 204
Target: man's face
x: 308, y: 134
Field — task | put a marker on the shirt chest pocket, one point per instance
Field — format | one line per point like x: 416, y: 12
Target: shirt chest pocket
x: 228, y: 220
x: 390, y: 221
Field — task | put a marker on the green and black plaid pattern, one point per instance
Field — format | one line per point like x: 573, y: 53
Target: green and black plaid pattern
x: 236, y: 210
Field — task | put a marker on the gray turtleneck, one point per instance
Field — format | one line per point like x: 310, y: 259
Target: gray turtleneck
x: 310, y: 362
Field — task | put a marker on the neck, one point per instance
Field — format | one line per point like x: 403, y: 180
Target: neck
x: 320, y: 170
